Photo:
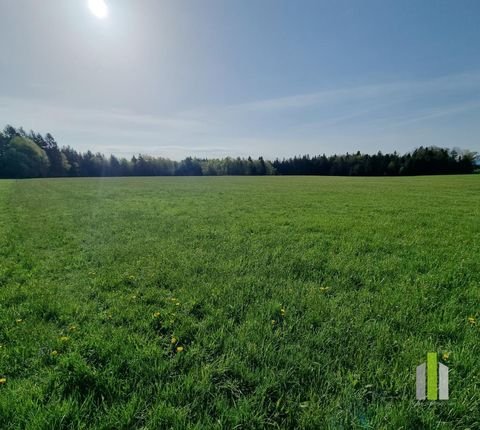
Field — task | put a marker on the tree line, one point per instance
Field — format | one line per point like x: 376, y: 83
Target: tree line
x: 429, y: 160
x: 31, y: 155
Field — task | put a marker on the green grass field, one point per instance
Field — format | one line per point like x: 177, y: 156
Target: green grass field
x: 238, y: 302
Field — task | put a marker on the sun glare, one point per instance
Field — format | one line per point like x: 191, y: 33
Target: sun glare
x: 98, y: 8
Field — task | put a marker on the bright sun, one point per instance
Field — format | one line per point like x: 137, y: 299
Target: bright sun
x: 98, y: 8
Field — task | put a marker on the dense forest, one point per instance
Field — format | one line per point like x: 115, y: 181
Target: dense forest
x: 31, y: 155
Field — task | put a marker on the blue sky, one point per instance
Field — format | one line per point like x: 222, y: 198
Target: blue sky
x: 224, y: 77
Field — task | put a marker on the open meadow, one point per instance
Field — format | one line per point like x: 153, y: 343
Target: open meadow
x: 238, y: 302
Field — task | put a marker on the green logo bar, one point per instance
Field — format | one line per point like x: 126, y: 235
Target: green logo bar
x: 432, y: 379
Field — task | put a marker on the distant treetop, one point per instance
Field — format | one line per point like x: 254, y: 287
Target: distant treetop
x: 31, y: 155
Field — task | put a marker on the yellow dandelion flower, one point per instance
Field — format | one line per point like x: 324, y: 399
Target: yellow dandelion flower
x: 445, y: 356
x: 472, y: 320
x: 64, y: 338
x: 179, y: 348
x: 174, y: 340
x: 282, y: 312
x: 273, y: 322
x: 54, y: 353
x: 3, y: 381
x: 156, y: 314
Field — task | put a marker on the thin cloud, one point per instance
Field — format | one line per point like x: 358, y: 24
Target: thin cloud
x: 404, y: 89
x: 351, y: 118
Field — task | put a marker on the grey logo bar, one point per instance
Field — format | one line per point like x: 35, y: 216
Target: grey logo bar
x: 421, y: 382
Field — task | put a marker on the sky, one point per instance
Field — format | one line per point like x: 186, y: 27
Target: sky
x: 215, y: 78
